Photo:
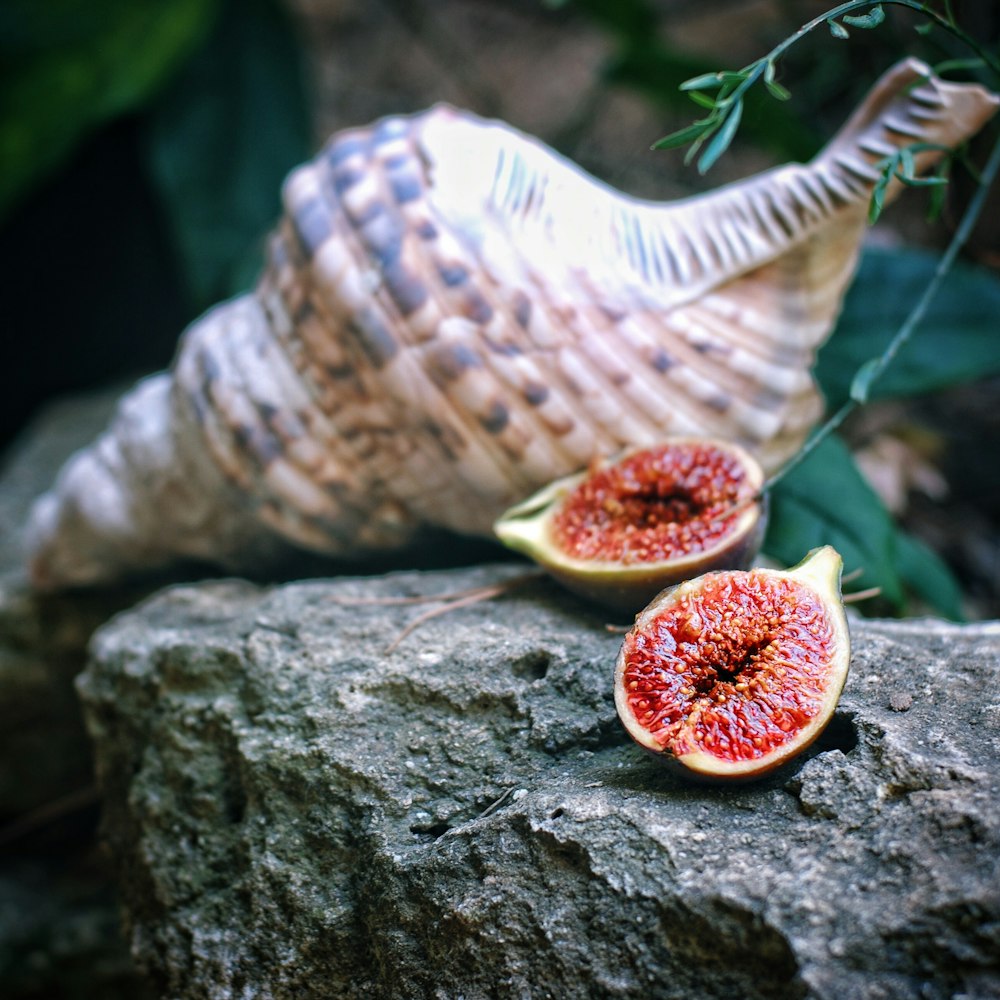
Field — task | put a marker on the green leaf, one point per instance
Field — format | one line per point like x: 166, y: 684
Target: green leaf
x: 957, y: 341
x: 862, y: 381
x: 918, y: 182
x: 962, y: 65
x: 826, y: 501
x: 712, y: 81
x: 685, y: 135
x: 721, y: 140
x: 221, y: 142
x: 702, y: 100
x: 775, y: 89
x: 837, y: 29
x: 707, y: 81
x: 872, y: 19
x: 928, y: 577
x: 877, y: 202
x: 907, y: 164
x: 69, y: 66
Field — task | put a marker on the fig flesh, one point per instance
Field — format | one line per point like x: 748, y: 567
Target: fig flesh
x: 731, y: 675
x: 624, y: 529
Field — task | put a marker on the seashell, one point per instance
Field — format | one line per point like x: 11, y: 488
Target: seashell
x: 452, y: 315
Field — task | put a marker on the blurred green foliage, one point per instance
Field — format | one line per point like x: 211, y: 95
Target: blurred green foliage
x: 70, y: 65
x: 219, y: 142
x: 216, y: 87
x: 957, y: 341
x: 142, y: 151
x: 826, y: 501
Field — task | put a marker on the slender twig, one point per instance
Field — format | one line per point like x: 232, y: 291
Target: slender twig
x: 474, y: 596
x: 446, y: 602
x: 719, y: 127
x: 875, y: 368
x: 946, y: 22
x: 861, y: 595
x: 51, y: 812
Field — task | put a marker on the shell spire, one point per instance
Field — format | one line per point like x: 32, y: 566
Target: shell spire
x: 452, y: 315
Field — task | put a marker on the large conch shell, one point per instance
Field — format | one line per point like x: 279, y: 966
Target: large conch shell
x: 453, y: 315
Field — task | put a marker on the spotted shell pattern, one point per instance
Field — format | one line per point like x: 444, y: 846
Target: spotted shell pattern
x: 452, y: 315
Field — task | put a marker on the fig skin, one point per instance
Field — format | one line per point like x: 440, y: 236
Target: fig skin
x: 627, y: 587
x: 817, y: 576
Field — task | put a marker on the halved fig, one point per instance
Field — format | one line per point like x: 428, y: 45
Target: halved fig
x: 626, y: 528
x: 731, y: 675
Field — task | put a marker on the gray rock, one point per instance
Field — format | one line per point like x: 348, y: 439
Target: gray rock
x: 43, y: 640
x: 295, y: 811
x: 59, y: 927
x: 43, y: 744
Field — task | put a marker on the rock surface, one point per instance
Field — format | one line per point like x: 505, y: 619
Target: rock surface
x: 43, y: 640
x: 59, y: 927
x: 295, y: 811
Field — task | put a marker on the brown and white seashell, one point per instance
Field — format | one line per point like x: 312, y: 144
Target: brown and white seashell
x: 453, y: 315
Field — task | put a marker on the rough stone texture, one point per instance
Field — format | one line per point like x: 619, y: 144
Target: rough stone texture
x: 296, y: 812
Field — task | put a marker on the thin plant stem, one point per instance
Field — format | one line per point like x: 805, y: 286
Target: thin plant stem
x: 724, y: 117
x: 905, y: 332
x: 727, y: 104
x: 862, y: 595
x: 945, y: 22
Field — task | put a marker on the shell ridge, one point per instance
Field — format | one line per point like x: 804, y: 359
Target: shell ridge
x: 362, y: 319
x: 480, y: 378
x: 259, y: 399
x: 366, y: 223
x: 462, y: 397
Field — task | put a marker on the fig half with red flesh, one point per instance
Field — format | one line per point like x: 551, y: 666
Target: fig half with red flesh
x: 626, y: 528
x: 730, y: 675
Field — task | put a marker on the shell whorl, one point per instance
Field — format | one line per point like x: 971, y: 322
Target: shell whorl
x: 453, y: 315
